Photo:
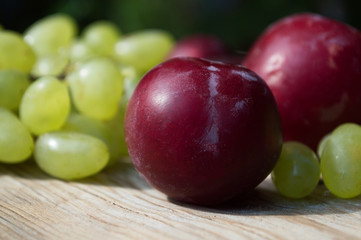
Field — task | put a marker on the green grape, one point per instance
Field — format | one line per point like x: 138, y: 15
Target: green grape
x: 297, y: 171
x: 15, y: 53
x: 13, y: 84
x: 45, y: 105
x: 322, y: 144
x: 80, y: 51
x: 144, y: 49
x: 51, y: 65
x: 131, y: 78
x: 83, y: 124
x: 96, y: 88
x: 341, y: 161
x: 101, y: 36
x: 49, y: 35
x: 16, y: 142
x: 116, y: 125
x: 70, y: 155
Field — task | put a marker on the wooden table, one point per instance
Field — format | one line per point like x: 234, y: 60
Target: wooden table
x: 118, y: 204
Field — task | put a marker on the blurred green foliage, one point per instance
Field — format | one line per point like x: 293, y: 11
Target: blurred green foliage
x: 237, y: 22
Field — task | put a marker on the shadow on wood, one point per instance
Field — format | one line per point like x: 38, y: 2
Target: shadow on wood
x: 265, y: 200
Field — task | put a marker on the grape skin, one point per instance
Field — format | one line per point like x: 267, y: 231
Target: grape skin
x: 131, y: 79
x: 116, y: 125
x: 49, y: 35
x: 16, y: 142
x: 322, y: 144
x: 45, y: 105
x: 297, y: 171
x: 101, y: 36
x: 13, y: 84
x: 70, y: 155
x: 341, y: 161
x: 151, y: 46
x: 96, y: 88
x: 83, y: 124
x: 15, y: 52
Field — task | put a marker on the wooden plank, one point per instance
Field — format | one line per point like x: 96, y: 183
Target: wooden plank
x: 118, y: 204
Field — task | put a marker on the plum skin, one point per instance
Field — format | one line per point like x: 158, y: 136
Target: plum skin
x: 313, y: 67
x: 205, y: 46
x: 201, y: 131
x: 199, y: 46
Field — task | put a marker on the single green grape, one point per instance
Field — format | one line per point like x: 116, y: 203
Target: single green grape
x: 16, y: 142
x: 101, y: 36
x: 341, y: 161
x: 45, y: 105
x: 96, y: 88
x: 83, y: 124
x: 70, y: 155
x: 144, y: 49
x: 297, y: 171
x: 15, y: 53
x: 13, y: 84
x: 50, y: 34
x: 51, y: 65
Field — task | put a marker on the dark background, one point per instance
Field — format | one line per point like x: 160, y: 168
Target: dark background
x: 237, y: 22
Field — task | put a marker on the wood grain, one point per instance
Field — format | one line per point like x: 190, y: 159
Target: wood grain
x: 118, y: 204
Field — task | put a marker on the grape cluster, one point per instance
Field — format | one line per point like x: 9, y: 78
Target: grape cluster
x: 63, y: 95
x: 338, y: 160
